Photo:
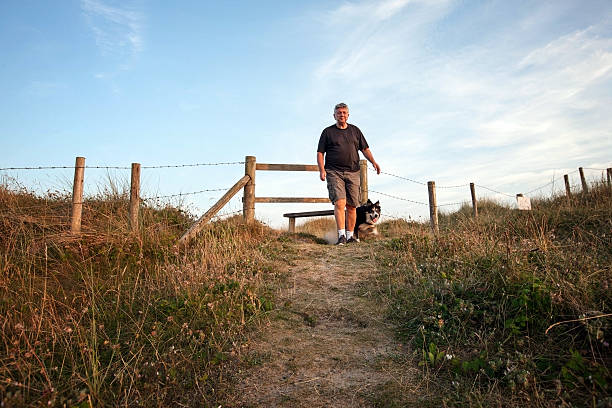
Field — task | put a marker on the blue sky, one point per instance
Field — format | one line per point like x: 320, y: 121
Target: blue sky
x: 506, y: 94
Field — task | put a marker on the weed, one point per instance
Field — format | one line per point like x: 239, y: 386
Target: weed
x: 477, y: 301
x: 114, y: 318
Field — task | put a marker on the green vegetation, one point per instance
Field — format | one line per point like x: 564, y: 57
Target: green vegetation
x: 508, y: 309
x: 114, y: 318
x: 476, y: 303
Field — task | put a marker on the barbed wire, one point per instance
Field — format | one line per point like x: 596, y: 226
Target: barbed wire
x: 399, y: 177
x: 495, y: 191
x: 397, y: 198
x: 457, y: 186
x: 447, y: 204
x: 183, y: 194
x: 226, y: 214
x: 591, y: 168
x: 541, y: 187
x: 192, y: 165
x: 65, y: 167
x: 120, y: 167
x: 550, y: 182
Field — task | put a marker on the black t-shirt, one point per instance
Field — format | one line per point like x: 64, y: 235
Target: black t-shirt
x: 341, y: 147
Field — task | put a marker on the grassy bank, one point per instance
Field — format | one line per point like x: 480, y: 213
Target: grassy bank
x: 509, y: 309
x: 112, y: 318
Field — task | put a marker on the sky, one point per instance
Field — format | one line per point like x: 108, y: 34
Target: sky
x: 509, y: 95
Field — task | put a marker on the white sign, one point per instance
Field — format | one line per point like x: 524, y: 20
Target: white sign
x: 524, y: 203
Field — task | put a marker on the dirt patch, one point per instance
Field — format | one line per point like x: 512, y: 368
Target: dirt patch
x: 327, y: 343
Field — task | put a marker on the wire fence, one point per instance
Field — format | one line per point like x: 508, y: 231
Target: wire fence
x: 51, y: 203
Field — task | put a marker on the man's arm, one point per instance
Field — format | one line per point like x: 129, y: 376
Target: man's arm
x: 368, y: 155
x: 320, y: 163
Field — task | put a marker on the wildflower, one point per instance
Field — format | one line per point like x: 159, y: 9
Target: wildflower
x: 449, y: 356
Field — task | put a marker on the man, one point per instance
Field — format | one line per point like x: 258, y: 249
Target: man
x: 339, y: 148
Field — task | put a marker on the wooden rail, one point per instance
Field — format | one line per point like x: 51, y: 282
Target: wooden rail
x: 291, y: 200
x: 199, y: 224
x: 249, y: 191
x: 287, y: 167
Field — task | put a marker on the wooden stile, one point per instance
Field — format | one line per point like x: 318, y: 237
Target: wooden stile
x: 77, y: 195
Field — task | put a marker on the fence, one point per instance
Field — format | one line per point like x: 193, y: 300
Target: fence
x: 247, y: 183
x: 523, y: 201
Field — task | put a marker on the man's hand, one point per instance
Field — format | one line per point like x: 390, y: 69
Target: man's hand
x: 377, y: 167
x: 368, y: 155
x: 321, y: 164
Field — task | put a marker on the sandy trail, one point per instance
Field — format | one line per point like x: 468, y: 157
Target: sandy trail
x: 327, y: 343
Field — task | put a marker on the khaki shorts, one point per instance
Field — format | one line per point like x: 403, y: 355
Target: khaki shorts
x: 344, y: 184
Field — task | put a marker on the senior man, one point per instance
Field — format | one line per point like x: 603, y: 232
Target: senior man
x: 338, y: 161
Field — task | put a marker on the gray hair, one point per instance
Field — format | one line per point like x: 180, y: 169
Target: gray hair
x: 340, y: 105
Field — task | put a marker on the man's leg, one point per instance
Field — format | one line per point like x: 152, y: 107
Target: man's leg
x: 339, y: 213
x: 351, y: 213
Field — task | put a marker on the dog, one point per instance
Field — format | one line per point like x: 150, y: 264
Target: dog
x: 367, y: 216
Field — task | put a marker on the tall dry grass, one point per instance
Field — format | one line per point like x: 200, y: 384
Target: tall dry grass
x: 113, y: 318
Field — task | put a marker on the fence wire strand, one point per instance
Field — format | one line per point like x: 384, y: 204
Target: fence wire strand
x: 399, y: 177
x: 397, y: 198
x: 182, y: 194
x: 121, y: 167
x: 495, y: 191
x: 192, y: 165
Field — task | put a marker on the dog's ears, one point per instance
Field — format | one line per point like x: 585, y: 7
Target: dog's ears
x: 377, y: 203
x: 369, y: 202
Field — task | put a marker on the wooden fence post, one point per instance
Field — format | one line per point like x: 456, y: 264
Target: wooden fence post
x: 363, y: 178
x: 433, y: 206
x: 248, y: 204
x: 609, y: 172
x: 134, y: 197
x: 474, y: 202
x: 568, y: 191
x: 77, y: 195
x: 585, y: 187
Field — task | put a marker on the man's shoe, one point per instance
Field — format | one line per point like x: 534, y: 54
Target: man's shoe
x: 341, y: 240
x: 352, y: 239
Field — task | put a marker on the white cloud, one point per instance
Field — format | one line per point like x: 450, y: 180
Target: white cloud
x: 502, y: 109
x: 117, y: 29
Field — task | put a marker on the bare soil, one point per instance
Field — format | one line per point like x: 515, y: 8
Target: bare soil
x: 326, y: 344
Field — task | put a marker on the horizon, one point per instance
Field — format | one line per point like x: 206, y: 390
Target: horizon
x: 508, y: 96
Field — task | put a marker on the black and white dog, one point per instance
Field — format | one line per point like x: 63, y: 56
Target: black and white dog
x: 367, y: 216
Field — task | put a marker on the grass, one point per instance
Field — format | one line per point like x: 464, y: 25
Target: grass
x: 113, y: 318
x: 477, y: 303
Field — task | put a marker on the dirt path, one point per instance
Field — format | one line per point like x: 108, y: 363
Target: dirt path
x: 327, y: 345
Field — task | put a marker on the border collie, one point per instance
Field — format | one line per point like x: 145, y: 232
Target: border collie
x: 367, y: 216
